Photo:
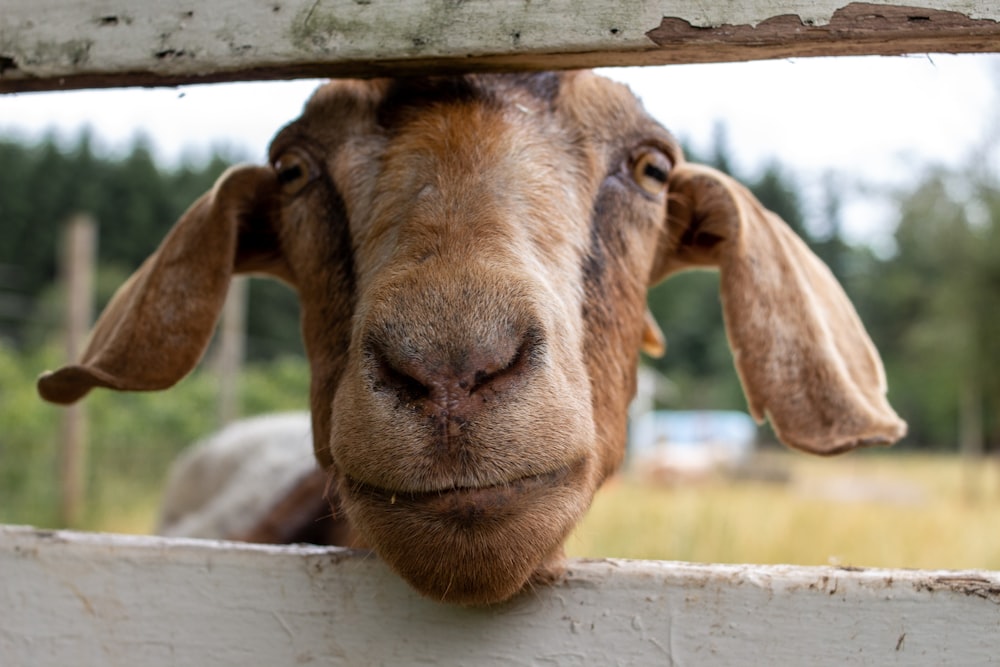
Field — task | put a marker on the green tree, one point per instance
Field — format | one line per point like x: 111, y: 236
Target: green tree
x: 934, y: 307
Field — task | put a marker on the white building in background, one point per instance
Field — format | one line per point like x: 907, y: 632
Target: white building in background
x: 688, y: 444
x: 685, y: 443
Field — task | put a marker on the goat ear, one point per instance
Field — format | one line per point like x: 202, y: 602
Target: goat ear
x: 802, y: 354
x: 654, y: 343
x: 158, y: 324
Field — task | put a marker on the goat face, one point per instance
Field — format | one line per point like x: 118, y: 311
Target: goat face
x: 465, y: 420
x: 472, y: 255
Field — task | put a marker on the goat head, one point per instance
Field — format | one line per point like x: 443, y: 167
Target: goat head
x: 472, y: 256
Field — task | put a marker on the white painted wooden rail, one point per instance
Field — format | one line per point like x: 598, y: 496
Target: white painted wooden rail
x: 46, y: 44
x: 84, y: 599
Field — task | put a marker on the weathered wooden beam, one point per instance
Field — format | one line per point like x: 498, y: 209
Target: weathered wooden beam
x: 85, y: 599
x: 58, y: 44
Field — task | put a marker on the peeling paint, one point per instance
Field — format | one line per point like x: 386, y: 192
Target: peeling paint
x: 980, y: 587
x: 170, y: 54
x: 814, y: 13
x: 7, y: 63
x: 95, y: 45
x: 855, y: 28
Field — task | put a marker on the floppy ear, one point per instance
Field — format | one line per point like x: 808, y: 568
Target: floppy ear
x: 802, y: 354
x: 160, y: 321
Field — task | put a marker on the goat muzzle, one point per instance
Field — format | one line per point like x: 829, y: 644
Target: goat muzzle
x: 462, y: 443
x: 453, y: 384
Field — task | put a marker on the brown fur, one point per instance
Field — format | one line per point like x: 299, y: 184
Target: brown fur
x: 472, y: 256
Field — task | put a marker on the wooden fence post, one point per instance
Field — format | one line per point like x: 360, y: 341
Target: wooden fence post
x: 970, y: 439
x: 78, y: 257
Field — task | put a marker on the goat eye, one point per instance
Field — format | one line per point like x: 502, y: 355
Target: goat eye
x: 651, y: 170
x: 294, y: 171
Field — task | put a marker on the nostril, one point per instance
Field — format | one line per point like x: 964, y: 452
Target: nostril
x: 388, y: 377
x: 445, y: 376
x: 514, y: 367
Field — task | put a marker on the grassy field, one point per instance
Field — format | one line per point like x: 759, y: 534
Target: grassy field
x: 866, y: 510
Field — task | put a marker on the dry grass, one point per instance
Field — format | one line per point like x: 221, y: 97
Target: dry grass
x: 882, y: 510
x: 123, y: 507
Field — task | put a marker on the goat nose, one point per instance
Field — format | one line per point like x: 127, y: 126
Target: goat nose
x: 456, y: 382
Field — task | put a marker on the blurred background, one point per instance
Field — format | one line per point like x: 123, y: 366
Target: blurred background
x: 888, y: 167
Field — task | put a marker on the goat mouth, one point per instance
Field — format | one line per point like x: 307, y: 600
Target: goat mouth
x: 471, y: 544
x: 465, y: 506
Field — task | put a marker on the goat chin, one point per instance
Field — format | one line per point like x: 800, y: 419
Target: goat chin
x: 473, y: 545
x: 472, y: 255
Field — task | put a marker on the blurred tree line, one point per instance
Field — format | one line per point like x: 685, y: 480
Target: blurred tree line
x: 932, y: 307
x: 135, y: 202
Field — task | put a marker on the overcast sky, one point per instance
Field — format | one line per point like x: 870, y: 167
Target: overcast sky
x: 876, y: 120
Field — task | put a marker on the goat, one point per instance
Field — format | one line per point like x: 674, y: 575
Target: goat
x: 256, y: 480
x: 471, y: 255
